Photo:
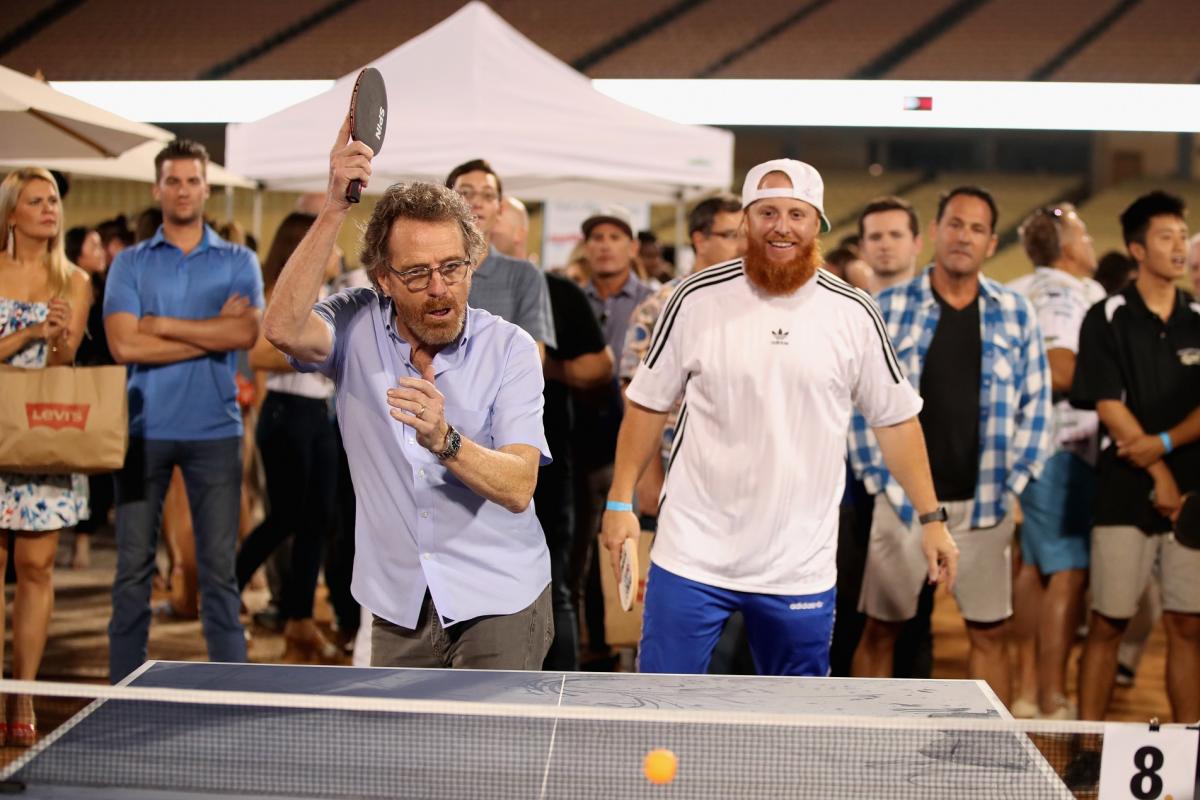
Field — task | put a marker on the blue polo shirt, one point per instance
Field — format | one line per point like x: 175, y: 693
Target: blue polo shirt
x: 197, y: 398
x: 418, y: 525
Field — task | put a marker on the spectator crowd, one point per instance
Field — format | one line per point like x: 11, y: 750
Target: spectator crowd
x: 460, y: 441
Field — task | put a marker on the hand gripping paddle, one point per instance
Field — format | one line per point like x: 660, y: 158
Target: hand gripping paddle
x: 627, y: 580
x: 368, y: 118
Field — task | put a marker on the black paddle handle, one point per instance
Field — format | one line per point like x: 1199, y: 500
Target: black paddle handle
x: 354, y: 191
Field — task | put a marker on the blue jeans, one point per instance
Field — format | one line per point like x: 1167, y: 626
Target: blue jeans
x: 212, y: 474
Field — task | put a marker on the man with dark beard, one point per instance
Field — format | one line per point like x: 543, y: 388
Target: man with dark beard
x: 440, y: 409
x: 771, y: 356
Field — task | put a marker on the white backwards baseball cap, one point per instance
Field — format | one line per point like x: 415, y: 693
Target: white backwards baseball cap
x: 806, y: 185
x: 617, y: 215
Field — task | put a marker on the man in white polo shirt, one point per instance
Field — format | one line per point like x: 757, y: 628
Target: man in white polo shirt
x: 771, y: 356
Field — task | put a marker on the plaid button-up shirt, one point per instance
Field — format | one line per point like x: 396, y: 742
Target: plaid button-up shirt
x: 1014, y: 395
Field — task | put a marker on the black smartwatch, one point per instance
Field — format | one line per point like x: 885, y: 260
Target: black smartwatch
x: 453, y: 442
x: 934, y: 516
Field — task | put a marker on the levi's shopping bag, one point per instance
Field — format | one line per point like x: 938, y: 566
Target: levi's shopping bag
x: 63, y: 419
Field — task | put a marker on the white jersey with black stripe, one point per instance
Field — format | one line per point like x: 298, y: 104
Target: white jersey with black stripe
x: 757, y: 470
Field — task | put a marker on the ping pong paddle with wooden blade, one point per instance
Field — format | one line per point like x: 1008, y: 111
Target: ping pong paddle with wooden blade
x: 368, y: 118
x: 629, y: 573
x: 1187, y: 522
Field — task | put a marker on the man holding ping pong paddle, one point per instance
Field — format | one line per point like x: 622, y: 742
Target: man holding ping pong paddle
x: 771, y: 356
x: 440, y: 409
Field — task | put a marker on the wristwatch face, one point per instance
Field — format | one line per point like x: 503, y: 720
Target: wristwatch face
x: 453, y: 442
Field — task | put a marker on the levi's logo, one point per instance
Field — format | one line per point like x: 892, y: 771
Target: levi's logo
x: 57, y: 415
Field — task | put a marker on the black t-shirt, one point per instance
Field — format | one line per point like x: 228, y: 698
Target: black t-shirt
x: 93, y: 348
x: 577, y: 332
x: 1127, y: 353
x: 950, y: 388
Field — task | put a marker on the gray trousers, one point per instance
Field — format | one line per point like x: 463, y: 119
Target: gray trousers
x: 508, y: 641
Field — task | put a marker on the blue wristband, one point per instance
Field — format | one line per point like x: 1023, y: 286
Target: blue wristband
x: 613, y: 505
x: 1166, y: 440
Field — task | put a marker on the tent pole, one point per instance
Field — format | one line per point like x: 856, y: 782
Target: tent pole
x: 681, y: 237
x: 256, y: 218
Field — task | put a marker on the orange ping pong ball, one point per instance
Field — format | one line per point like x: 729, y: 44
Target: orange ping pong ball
x: 659, y: 766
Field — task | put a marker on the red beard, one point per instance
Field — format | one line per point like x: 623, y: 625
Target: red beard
x: 780, y: 278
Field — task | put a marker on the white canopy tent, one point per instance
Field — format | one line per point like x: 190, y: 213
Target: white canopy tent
x: 37, y: 122
x: 474, y: 87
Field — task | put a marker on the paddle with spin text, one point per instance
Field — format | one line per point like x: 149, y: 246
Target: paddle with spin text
x: 368, y: 118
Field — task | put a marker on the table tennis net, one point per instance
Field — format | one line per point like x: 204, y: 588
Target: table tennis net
x: 141, y: 742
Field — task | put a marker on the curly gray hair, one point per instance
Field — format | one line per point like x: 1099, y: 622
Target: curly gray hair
x: 423, y: 202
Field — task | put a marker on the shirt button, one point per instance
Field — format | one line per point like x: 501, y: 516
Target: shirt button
x: 412, y: 441
x: 421, y: 473
x: 425, y: 515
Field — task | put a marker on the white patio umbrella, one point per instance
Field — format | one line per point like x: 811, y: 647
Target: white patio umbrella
x: 136, y: 164
x: 38, y: 122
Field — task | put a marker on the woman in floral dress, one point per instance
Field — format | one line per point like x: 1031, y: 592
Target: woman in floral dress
x: 44, y: 302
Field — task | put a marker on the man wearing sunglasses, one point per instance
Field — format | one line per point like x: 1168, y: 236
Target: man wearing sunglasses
x: 440, y: 408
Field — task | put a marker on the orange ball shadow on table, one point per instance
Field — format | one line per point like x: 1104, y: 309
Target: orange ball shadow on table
x: 659, y: 766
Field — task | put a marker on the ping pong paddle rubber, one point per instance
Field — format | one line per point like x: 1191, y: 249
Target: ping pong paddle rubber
x: 627, y: 579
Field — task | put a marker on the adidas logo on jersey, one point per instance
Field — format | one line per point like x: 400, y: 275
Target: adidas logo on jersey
x: 779, y: 336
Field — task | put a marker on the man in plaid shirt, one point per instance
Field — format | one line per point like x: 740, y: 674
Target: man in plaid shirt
x: 974, y: 350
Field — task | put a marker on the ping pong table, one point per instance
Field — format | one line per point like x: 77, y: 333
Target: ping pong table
x: 142, y: 749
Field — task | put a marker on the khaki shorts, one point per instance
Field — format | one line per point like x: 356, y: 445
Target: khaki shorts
x: 1123, y: 558
x: 896, y: 567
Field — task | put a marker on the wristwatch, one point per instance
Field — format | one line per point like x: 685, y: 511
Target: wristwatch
x: 934, y: 516
x: 453, y: 443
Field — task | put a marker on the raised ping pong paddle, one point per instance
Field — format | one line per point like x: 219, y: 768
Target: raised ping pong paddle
x: 368, y: 118
x: 627, y: 580
x: 1187, y: 523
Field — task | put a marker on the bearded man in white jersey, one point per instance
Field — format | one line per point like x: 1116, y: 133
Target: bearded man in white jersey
x: 772, y: 355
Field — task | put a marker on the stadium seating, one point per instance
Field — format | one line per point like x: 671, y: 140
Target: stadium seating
x: 343, y: 42
x: 834, y: 41
x: 694, y: 41
x: 110, y: 40
x: 999, y: 40
x: 1003, y: 41
x: 1156, y: 42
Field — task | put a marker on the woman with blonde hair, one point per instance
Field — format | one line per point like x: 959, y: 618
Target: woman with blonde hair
x: 44, y: 302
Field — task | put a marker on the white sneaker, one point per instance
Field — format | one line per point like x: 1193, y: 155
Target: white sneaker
x: 1023, y: 708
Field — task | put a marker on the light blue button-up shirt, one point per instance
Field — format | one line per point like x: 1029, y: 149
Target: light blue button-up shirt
x: 417, y: 525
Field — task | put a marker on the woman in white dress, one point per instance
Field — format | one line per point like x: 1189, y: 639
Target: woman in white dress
x: 44, y: 302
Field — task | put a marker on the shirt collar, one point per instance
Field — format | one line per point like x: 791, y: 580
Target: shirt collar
x: 489, y: 262
x: 451, y: 354
x: 1184, y: 304
x: 628, y: 288
x: 988, y: 289
x: 208, y: 238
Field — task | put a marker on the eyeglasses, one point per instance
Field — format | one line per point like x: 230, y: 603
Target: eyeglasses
x: 469, y: 194
x: 419, y: 278
x: 728, y: 236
